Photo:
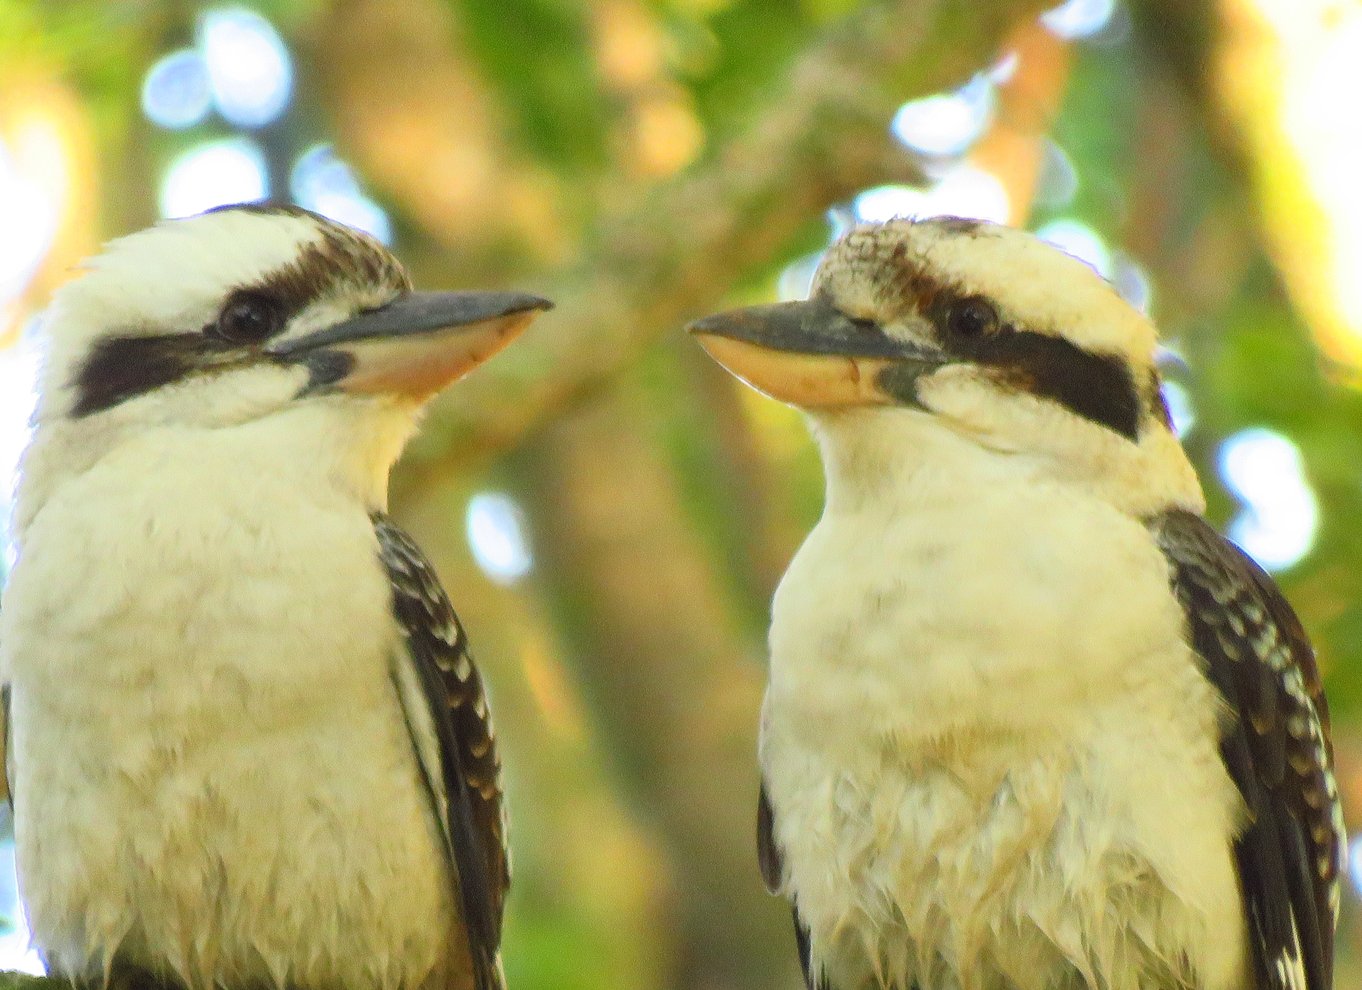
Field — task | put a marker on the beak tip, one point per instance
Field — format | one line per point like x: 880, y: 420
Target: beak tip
x: 530, y: 303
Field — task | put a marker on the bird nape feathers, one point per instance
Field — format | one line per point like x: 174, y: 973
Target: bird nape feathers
x: 247, y: 745
x: 1031, y: 723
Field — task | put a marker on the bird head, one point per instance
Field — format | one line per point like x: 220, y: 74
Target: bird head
x: 977, y: 329
x: 270, y: 324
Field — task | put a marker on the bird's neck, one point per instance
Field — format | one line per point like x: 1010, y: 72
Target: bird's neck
x: 321, y: 454
x: 876, y: 459
x: 879, y: 459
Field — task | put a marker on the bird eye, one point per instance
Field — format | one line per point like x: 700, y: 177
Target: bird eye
x: 972, y: 317
x: 248, y: 319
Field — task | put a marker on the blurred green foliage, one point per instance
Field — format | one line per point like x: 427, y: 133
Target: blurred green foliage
x: 596, y: 712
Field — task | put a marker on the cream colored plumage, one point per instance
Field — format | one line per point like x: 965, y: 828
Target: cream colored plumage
x: 984, y: 809
x: 224, y: 770
x: 1007, y: 741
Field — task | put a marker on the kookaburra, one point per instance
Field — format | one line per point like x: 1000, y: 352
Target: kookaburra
x: 1031, y: 723
x: 248, y: 748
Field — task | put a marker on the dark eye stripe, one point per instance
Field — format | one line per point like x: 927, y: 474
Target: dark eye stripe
x: 1097, y: 387
x: 122, y: 368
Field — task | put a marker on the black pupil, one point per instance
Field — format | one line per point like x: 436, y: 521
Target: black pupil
x: 246, y: 320
x: 973, y: 317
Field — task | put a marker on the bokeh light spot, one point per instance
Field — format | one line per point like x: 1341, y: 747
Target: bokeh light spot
x: 797, y: 278
x: 249, y: 70
x: 496, y: 535
x: 1080, y: 241
x: 964, y: 191
x: 1132, y: 282
x: 1057, y: 183
x: 1004, y: 69
x: 30, y: 224
x: 948, y: 123
x: 1180, y: 408
x: 324, y: 183
x: 887, y: 202
x: 1264, y: 470
x: 18, y: 393
x: 1078, y: 18
x: 15, y: 951
x: 176, y: 92
x: 1355, y: 862
x: 214, y: 174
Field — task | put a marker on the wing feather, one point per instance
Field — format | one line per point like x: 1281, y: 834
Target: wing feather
x: 461, y: 765
x: 771, y: 858
x: 1276, y: 748
x: 769, y: 855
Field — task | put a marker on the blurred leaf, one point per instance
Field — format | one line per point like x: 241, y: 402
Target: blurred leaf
x: 538, y: 55
x: 746, y: 45
x: 558, y: 952
x: 1093, y: 128
x: 100, y: 47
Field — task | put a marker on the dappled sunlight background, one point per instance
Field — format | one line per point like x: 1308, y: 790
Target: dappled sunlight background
x: 610, y: 511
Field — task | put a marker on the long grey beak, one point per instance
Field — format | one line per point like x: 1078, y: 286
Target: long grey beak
x: 812, y: 355
x: 808, y: 326
x: 417, y: 313
x: 414, y: 346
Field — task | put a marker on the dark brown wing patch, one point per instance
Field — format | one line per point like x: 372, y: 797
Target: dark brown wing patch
x: 1277, y: 750
x: 471, y: 767
x: 772, y: 862
x: 769, y: 856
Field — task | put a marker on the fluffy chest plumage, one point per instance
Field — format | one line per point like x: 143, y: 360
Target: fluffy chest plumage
x: 991, y: 758
x: 212, y: 771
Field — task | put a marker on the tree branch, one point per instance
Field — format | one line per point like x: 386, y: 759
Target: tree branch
x: 681, y: 247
